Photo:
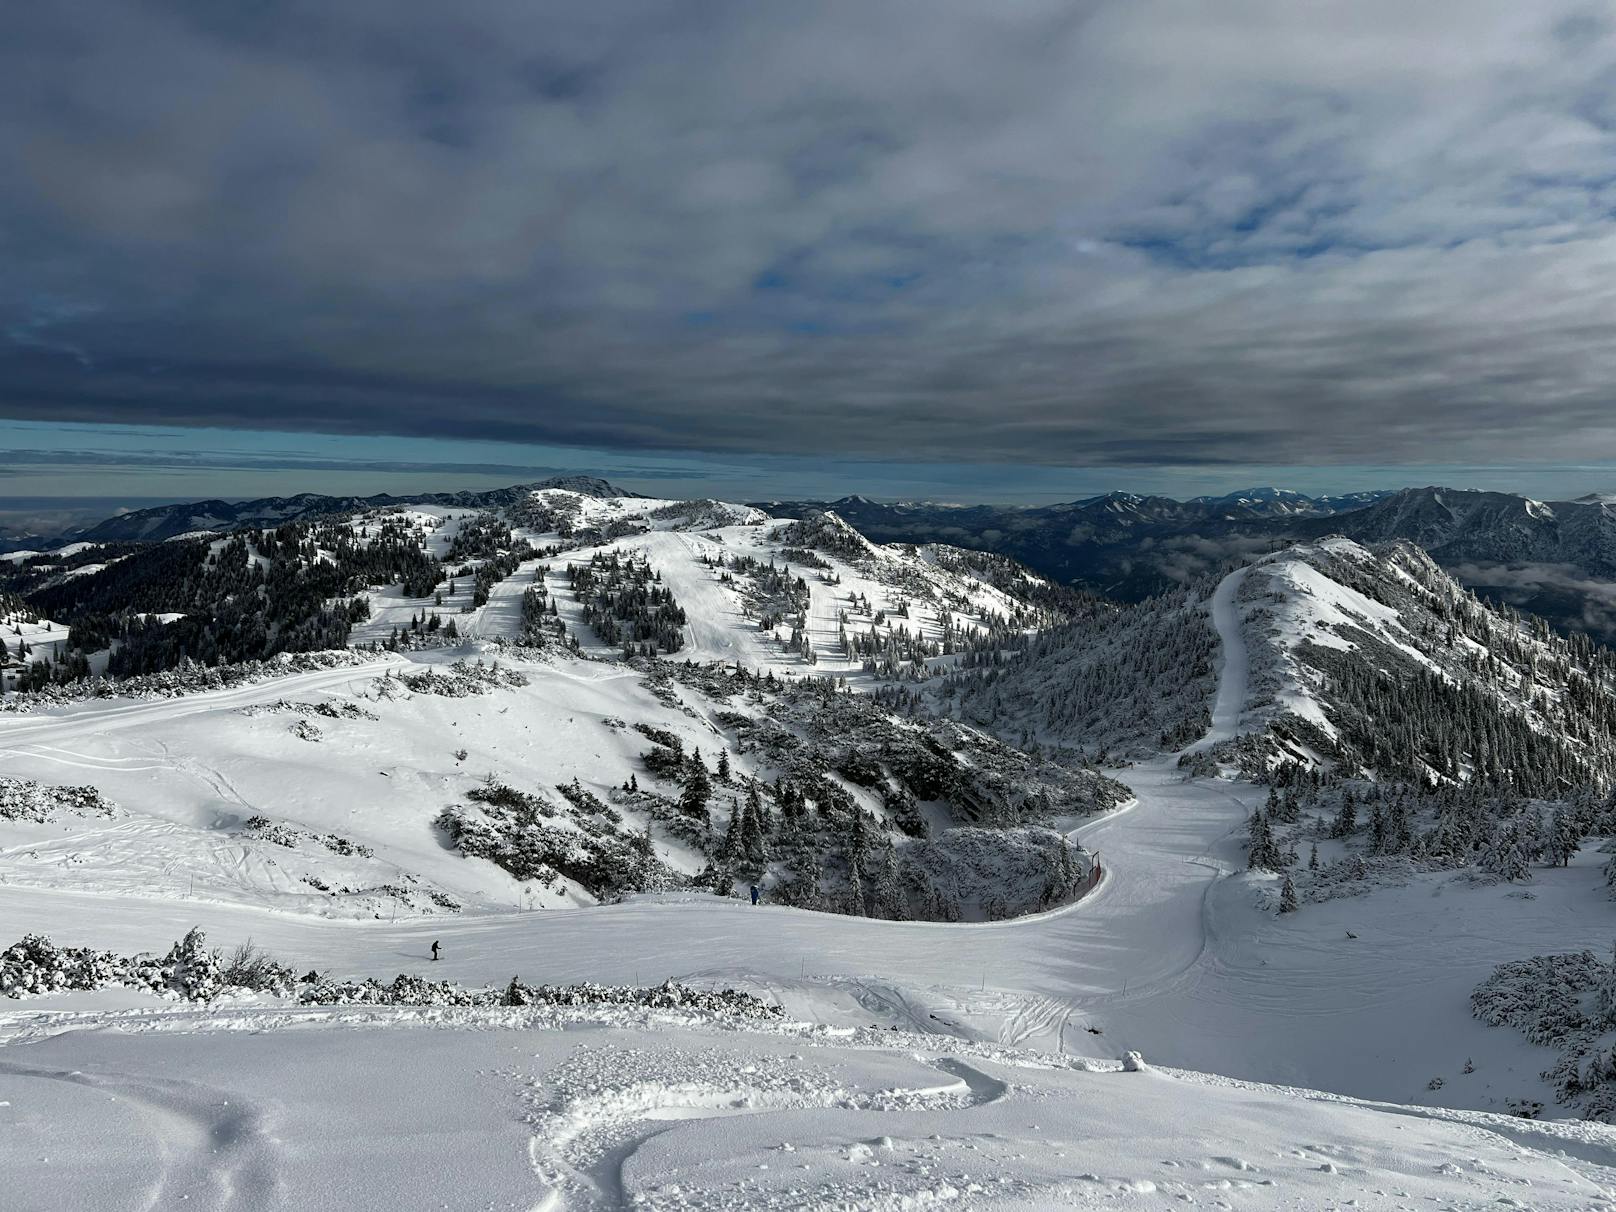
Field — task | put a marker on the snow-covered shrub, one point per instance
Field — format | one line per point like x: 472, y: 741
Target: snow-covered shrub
x: 34, y: 965
x: 508, y: 832
x: 26, y: 800
x: 1541, y: 997
x: 463, y: 678
x: 407, y: 990
x: 993, y: 873
x: 1566, y: 1002
x: 250, y: 967
x: 188, y: 678
x: 323, y: 707
x: 192, y: 971
x: 284, y: 833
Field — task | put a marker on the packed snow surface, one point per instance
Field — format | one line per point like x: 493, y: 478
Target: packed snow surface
x: 919, y: 1065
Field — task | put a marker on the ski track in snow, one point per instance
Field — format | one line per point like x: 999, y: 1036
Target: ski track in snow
x: 214, y: 1147
x: 1234, y: 667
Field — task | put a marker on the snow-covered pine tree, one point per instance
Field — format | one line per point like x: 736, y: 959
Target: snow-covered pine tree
x: 1605, y: 994
x: 1563, y: 837
x: 644, y: 861
x: 1346, y: 820
x: 754, y: 847
x: 698, y: 788
x: 1287, y: 896
x: 1264, y: 853
x: 1508, y: 852
x: 732, y: 853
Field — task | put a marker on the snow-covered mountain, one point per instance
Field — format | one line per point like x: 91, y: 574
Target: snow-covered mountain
x: 1125, y: 545
x: 1374, y: 659
x: 1456, y: 525
x: 543, y: 733
x: 1285, y: 502
x: 1552, y: 558
x: 187, y: 517
x: 615, y: 772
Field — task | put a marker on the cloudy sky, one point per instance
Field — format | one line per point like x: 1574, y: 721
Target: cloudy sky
x: 957, y: 250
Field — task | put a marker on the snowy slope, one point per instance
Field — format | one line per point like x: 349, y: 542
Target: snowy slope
x: 605, y: 1109
x: 1164, y: 943
x: 852, y: 586
x: 540, y: 1110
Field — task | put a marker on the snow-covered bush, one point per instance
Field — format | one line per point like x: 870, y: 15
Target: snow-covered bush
x: 1566, y: 1002
x: 35, y: 965
x: 192, y: 971
x: 505, y: 827
x: 249, y: 967
x: 322, y: 707
x: 993, y: 873
x: 284, y: 833
x: 26, y: 800
x: 463, y: 678
x: 188, y: 678
x: 407, y: 990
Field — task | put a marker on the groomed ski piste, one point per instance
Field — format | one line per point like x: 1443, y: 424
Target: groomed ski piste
x: 1286, y: 1064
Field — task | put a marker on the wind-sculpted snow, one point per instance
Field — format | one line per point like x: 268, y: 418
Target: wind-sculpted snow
x: 387, y: 1109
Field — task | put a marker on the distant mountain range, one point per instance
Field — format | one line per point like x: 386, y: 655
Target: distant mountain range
x: 1121, y: 544
x: 1557, y: 559
x: 166, y: 521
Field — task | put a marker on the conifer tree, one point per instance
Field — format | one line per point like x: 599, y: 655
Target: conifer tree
x: 1287, y: 896
x: 1563, y: 837
x: 698, y: 789
x: 1264, y: 852
x: 1346, y: 820
x: 754, y: 848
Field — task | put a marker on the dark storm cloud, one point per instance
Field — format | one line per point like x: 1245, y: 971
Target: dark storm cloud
x: 1104, y: 233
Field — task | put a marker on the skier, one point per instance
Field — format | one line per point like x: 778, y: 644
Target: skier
x: 754, y: 894
x: 434, y: 951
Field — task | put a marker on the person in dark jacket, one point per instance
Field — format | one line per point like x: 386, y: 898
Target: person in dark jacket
x: 755, y: 894
x: 434, y: 950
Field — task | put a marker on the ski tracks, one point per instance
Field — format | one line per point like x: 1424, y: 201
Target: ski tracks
x: 216, y: 1149
x: 592, y: 1115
